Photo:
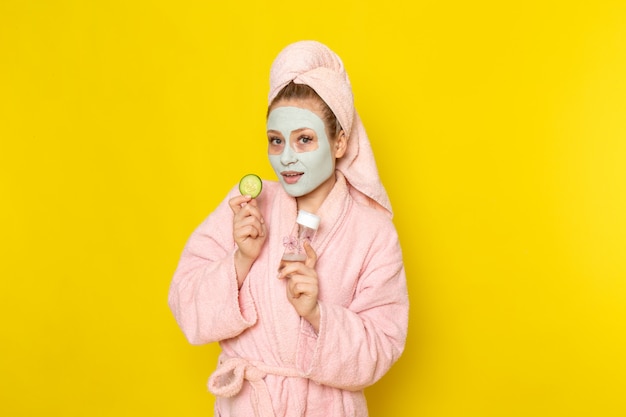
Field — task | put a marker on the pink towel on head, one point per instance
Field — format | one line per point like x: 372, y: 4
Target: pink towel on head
x: 314, y: 64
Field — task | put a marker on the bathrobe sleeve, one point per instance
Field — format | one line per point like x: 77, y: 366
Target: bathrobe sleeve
x: 356, y: 345
x: 203, y: 295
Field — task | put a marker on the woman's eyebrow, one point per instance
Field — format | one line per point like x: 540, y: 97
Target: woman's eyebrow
x: 293, y: 131
x: 303, y: 128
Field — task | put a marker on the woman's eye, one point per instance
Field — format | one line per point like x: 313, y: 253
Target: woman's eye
x: 275, y: 141
x: 306, y: 139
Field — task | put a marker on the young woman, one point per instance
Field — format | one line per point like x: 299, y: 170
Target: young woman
x: 305, y: 338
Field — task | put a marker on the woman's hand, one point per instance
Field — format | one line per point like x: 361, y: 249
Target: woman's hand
x: 249, y: 232
x: 302, y: 286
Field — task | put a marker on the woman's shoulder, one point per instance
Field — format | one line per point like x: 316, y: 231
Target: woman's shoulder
x: 375, y: 230
x: 374, y: 219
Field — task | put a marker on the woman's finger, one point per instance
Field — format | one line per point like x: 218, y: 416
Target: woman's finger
x: 236, y: 203
x: 311, y: 256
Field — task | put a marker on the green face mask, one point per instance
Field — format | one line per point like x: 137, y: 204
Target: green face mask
x: 299, y: 149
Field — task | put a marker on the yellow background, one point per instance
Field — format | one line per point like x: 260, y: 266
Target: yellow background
x: 500, y: 133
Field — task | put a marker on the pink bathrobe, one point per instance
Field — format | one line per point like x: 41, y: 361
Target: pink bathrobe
x: 273, y: 363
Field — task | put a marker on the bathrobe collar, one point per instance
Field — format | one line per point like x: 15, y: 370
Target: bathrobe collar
x: 332, y: 212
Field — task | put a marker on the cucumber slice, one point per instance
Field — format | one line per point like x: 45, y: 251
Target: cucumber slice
x: 250, y: 185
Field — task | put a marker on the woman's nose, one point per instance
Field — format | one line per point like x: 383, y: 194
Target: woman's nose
x: 288, y: 156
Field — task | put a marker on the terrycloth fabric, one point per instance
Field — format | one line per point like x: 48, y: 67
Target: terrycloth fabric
x: 273, y: 363
x: 314, y: 64
x: 227, y: 381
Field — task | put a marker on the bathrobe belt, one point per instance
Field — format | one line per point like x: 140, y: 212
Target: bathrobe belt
x: 227, y: 381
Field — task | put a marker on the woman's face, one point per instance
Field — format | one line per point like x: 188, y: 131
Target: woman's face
x: 299, y: 149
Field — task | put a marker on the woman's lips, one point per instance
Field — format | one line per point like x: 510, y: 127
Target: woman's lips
x: 291, y: 177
